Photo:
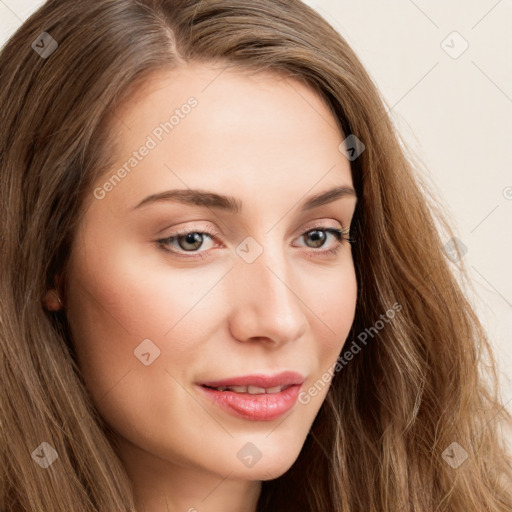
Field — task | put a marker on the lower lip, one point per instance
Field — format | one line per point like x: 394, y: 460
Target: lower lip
x: 263, y: 407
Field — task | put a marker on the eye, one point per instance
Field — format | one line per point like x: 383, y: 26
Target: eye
x: 319, y: 235
x: 189, y: 241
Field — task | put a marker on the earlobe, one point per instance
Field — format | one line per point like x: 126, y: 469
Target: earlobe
x: 52, y: 300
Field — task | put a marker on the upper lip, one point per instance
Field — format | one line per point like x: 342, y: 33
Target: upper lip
x: 287, y: 378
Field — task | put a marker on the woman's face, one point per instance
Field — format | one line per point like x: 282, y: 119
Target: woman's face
x: 248, y: 292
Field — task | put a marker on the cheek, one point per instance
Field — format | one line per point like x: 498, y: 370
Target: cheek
x: 137, y: 335
x: 333, y: 312
x: 116, y: 300
x: 334, y: 308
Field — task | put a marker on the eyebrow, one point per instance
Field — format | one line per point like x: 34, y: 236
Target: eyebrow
x: 233, y: 205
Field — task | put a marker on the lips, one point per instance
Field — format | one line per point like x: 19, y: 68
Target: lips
x: 255, y: 397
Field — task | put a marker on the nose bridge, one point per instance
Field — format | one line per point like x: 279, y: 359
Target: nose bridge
x: 267, y: 305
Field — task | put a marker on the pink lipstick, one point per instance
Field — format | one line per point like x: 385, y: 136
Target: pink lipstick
x: 256, y: 397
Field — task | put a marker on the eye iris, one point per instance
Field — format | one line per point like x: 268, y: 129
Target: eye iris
x: 191, y: 238
x: 318, y: 237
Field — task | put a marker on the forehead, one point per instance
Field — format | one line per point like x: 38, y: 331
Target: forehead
x: 208, y: 126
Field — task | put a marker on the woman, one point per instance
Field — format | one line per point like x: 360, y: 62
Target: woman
x: 222, y: 286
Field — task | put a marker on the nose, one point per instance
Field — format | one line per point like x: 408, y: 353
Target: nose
x: 267, y: 305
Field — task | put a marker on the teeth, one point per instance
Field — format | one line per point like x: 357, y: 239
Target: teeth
x: 252, y: 390
x: 238, y: 389
x: 255, y: 390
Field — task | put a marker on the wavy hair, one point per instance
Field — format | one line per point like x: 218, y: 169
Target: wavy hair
x: 425, y: 381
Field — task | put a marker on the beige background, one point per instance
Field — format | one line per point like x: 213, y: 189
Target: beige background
x: 454, y: 110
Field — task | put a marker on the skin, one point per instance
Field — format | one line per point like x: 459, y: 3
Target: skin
x: 271, y: 142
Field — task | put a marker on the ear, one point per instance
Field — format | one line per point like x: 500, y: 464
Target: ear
x: 52, y: 301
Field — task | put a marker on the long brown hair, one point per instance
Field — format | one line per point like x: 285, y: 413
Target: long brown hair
x: 384, y: 435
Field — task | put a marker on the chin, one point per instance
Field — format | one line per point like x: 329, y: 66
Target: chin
x: 264, y: 460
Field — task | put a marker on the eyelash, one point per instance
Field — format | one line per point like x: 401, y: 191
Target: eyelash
x: 340, y: 234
